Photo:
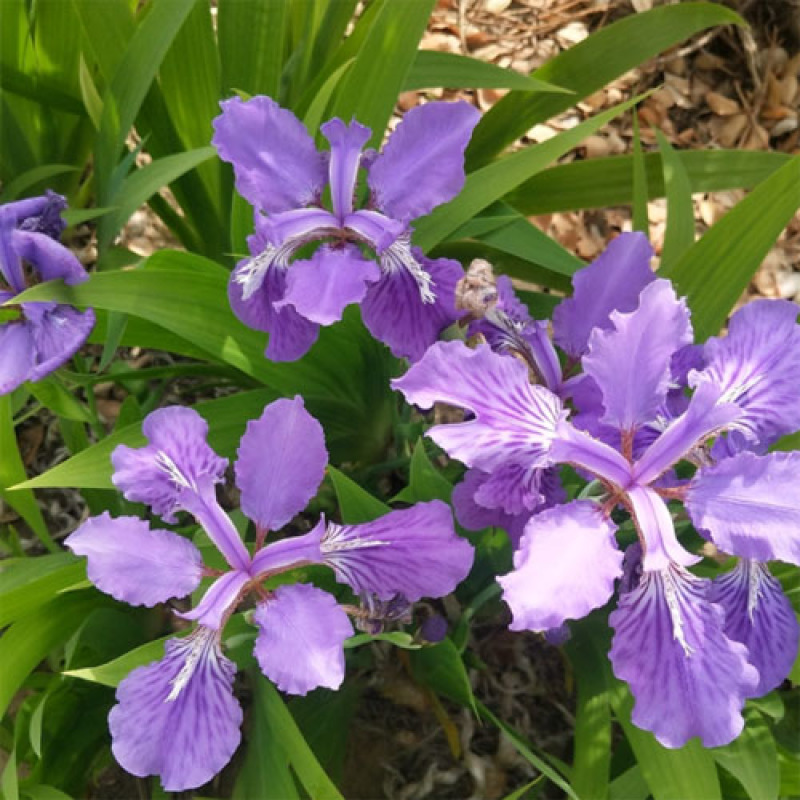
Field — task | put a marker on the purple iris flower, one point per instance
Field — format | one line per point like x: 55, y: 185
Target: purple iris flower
x: 178, y: 717
x: 39, y: 337
x: 692, y: 650
x: 406, y: 299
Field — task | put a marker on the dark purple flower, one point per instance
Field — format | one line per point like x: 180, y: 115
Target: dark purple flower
x: 690, y: 633
x: 406, y: 299
x: 39, y: 337
x: 186, y: 699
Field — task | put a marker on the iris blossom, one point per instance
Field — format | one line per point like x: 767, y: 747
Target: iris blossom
x: 178, y: 718
x: 692, y: 650
x: 406, y: 299
x: 36, y: 338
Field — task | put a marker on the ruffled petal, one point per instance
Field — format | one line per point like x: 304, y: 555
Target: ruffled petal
x: 177, y: 718
x: 475, y: 517
x: 58, y: 333
x: 687, y: 677
x: 422, y: 164
x: 512, y: 488
x: 219, y: 601
x: 414, y: 552
x: 631, y: 361
x: 300, y: 644
x: 280, y: 464
x: 750, y: 505
x: 134, y: 563
x: 412, y: 302
x: 49, y: 257
x: 757, y: 365
x: 276, y: 164
x: 321, y: 287
x: 16, y: 355
x: 347, y: 142
x: 759, y: 615
x: 514, y: 420
x: 565, y: 566
x: 612, y: 282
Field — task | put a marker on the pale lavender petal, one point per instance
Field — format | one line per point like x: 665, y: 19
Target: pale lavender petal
x: 48, y: 257
x: 750, y: 505
x: 374, y: 228
x: 16, y: 355
x: 321, y: 287
x: 412, y: 302
x: 578, y: 448
x: 565, y: 566
x: 705, y: 416
x: 422, y: 164
x: 347, y: 142
x: 414, y: 552
x: 177, y: 718
x: 219, y: 601
x: 631, y: 361
x: 289, y: 230
x: 58, y: 333
x: 276, y: 164
x: 288, y: 553
x: 280, y: 463
x: 134, y: 563
x: 300, y: 644
x: 687, y: 677
x: 512, y: 488
x: 613, y: 281
x: 757, y: 365
x: 656, y: 530
x: 514, y: 420
x: 759, y: 615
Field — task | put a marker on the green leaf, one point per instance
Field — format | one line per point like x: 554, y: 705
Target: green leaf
x: 494, y: 181
x: 400, y: 639
x: 590, y: 65
x: 356, y: 504
x: 441, y: 668
x: 715, y: 271
x: 679, y: 235
x: 113, y: 672
x: 432, y: 69
x: 601, y: 182
x: 641, y: 220
x: 313, y: 118
x: 51, y: 393
x: 42, y: 791
x: 27, y: 180
x: 425, y: 481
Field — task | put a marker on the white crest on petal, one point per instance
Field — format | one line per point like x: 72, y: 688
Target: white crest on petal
x: 673, y: 604
x: 755, y: 580
x: 173, y: 471
x: 399, y: 256
x: 333, y: 541
x: 200, y: 644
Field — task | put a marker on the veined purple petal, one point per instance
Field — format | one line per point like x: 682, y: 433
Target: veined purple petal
x: 756, y: 366
x: 134, y: 563
x: 16, y: 355
x: 414, y: 552
x: 565, y: 566
x: 280, y: 463
x: 705, y: 416
x: 276, y: 164
x: 687, y: 677
x: 759, y: 615
x: 612, y: 282
x: 58, y: 333
x: 321, y: 287
x: 512, y: 488
x: 631, y: 361
x: 293, y: 551
x: 514, y: 420
x: 378, y: 230
x: 654, y: 523
x: 347, y: 142
x: 300, y: 644
x: 290, y: 229
x: 41, y: 214
x: 573, y: 446
x: 750, y: 505
x: 48, y: 257
x: 412, y: 302
x: 422, y: 164
x: 177, y: 718
x: 219, y: 601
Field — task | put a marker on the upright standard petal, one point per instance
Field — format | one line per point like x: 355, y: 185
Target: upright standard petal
x: 134, y: 563
x: 631, y: 361
x: 276, y: 164
x: 280, y: 463
x: 687, y: 677
x: 300, y: 644
x: 177, y: 718
x: 219, y: 601
x: 756, y: 366
x: 759, y: 615
x: 414, y: 552
x: 750, y: 505
x: 412, y: 302
x: 321, y: 287
x: 565, y: 566
x: 50, y: 258
x: 612, y: 282
x: 16, y: 355
x: 514, y: 421
x: 347, y: 142
x: 422, y: 164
